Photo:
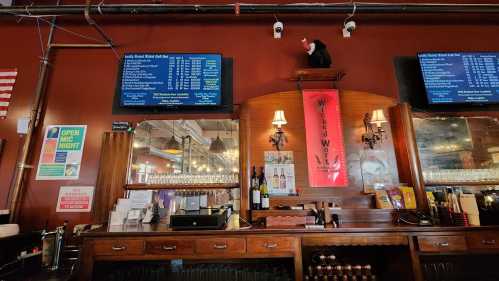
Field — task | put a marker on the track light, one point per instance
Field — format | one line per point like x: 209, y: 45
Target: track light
x: 278, y: 28
x: 349, y: 25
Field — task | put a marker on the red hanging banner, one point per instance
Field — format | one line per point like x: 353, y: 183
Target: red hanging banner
x: 325, y: 148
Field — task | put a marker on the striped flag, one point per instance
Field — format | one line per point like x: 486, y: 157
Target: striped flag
x: 7, y: 81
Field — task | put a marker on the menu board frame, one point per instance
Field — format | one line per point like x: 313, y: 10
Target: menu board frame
x: 226, y: 106
x: 429, y: 96
x: 217, y: 100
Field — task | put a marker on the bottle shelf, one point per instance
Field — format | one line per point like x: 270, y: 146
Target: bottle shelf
x: 480, y: 183
x: 144, y: 186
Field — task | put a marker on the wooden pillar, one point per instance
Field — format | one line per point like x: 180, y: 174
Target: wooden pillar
x: 113, y: 171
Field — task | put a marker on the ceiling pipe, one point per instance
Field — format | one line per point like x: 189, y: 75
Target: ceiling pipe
x: 239, y: 8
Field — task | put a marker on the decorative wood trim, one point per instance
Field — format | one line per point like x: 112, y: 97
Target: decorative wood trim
x: 406, y: 151
x: 355, y: 240
x: 113, y: 171
x: 317, y: 74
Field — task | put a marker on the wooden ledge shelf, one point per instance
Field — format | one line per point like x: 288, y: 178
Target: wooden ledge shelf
x: 345, y: 215
x: 481, y: 183
x: 318, y: 74
x: 143, y: 186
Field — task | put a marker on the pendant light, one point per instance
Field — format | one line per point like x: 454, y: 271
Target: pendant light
x: 173, y: 146
x: 217, y: 145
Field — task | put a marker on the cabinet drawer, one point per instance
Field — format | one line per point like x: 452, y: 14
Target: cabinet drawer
x: 442, y: 243
x: 257, y: 245
x: 221, y: 246
x: 170, y: 247
x: 118, y: 247
x: 483, y: 240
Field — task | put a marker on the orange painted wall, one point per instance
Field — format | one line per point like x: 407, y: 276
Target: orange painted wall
x: 81, y: 84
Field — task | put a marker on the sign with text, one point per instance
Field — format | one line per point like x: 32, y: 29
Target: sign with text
x: 150, y: 79
x: 62, y: 151
x: 325, y: 147
x: 75, y: 199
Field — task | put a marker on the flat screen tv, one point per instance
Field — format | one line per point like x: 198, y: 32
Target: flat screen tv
x: 461, y: 78
x: 171, y: 80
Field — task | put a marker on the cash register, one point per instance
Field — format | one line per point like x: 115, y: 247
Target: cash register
x: 210, y: 218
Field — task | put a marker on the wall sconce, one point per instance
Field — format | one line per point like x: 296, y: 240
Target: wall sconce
x: 278, y: 139
x: 374, y: 135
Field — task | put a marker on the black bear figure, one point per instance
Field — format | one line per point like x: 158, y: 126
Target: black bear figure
x: 318, y: 56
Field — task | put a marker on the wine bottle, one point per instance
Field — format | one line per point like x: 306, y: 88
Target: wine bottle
x: 322, y: 260
x: 282, y: 181
x: 264, y: 191
x: 255, y: 191
x: 275, y: 179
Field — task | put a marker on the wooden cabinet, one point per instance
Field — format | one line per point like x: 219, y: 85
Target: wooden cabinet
x: 270, y: 244
x: 483, y: 240
x: 167, y: 246
x: 451, y: 243
x: 118, y: 247
x: 217, y: 246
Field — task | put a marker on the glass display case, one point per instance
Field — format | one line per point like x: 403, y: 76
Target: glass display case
x: 185, y: 153
x: 458, y: 150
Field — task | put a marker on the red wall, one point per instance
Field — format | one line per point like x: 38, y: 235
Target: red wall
x: 82, y: 82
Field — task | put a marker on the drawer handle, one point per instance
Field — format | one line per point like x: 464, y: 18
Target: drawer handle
x: 169, y: 248
x: 489, y: 242
x: 442, y: 244
x: 118, y: 248
x: 270, y: 245
x: 220, y: 246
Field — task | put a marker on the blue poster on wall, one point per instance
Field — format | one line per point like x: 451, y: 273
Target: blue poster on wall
x: 171, y: 80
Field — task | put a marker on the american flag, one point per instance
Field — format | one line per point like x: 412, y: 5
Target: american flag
x: 7, y: 81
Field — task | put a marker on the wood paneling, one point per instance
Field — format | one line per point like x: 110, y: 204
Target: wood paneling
x: 216, y: 246
x: 271, y: 244
x: 452, y: 243
x: 355, y: 240
x: 113, y: 170
x: 406, y: 149
x: 256, y: 125
x: 484, y: 240
x: 170, y: 247
x: 119, y: 247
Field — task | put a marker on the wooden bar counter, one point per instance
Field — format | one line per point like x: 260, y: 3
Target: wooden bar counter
x: 158, y: 242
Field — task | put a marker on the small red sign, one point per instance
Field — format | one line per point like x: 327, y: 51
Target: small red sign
x: 324, y: 132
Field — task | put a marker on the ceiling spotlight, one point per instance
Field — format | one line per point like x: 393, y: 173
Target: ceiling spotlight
x: 349, y: 25
x: 278, y: 29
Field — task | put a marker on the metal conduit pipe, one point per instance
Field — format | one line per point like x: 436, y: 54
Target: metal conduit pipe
x: 239, y: 8
x: 20, y: 172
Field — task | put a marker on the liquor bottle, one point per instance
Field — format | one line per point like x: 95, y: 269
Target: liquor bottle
x: 310, y: 271
x: 322, y: 260
x: 329, y: 271
x: 255, y: 191
x: 348, y: 271
x: 332, y: 260
x: 282, y: 180
x: 357, y: 270
x: 319, y: 270
x: 366, y: 270
x: 264, y: 191
x: 275, y: 179
x: 264, y: 194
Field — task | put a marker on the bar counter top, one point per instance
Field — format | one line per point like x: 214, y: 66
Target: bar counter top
x: 163, y: 230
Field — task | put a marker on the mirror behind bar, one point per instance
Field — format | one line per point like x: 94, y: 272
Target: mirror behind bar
x: 185, y: 154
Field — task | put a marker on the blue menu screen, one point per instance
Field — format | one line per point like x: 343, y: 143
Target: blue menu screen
x: 171, y: 79
x: 461, y: 77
